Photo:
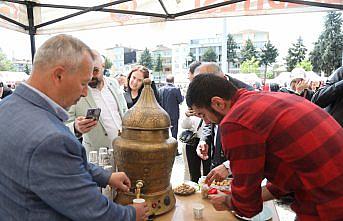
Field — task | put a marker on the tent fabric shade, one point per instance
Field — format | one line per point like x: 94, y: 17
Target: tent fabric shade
x: 51, y: 17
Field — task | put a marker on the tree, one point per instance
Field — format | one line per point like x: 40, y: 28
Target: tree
x: 27, y: 69
x: 296, y: 54
x: 315, y: 57
x: 249, y: 51
x: 146, y: 59
x: 209, y: 55
x: 231, y: 51
x: 5, y: 64
x: 268, y: 56
x: 327, y: 53
x: 250, y: 66
x: 108, y: 63
x: 306, y: 65
x: 158, y: 64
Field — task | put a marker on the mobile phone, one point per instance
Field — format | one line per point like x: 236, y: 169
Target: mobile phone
x: 1, y: 84
x: 93, y: 113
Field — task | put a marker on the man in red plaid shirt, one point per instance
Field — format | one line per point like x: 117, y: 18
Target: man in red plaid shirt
x: 286, y: 139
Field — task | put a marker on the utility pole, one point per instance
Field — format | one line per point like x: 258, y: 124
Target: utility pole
x: 224, y: 47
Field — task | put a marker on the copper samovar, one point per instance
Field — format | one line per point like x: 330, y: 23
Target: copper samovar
x: 145, y: 152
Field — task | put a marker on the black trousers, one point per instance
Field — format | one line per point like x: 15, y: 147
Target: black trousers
x: 174, y: 127
x: 194, y: 163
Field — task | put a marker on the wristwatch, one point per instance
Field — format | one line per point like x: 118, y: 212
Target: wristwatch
x: 227, y: 166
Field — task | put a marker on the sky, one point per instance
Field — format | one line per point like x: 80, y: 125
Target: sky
x: 284, y: 29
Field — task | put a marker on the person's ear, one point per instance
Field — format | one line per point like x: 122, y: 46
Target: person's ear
x: 218, y: 104
x: 58, y: 74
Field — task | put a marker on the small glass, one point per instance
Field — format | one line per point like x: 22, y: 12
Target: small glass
x: 93, y: 157
x: 198, y: 209
x: 103, y: 159
x: 102, y: 150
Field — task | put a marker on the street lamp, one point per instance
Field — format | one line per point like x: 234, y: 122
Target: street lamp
x: 188, y: 60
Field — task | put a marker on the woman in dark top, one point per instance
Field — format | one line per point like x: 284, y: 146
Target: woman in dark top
x: 135, y: 85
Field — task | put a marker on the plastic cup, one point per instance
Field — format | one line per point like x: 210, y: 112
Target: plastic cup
x: 198, y: 209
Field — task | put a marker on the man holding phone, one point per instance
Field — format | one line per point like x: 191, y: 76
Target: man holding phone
x: 44, y: 173
x: 105, y: 106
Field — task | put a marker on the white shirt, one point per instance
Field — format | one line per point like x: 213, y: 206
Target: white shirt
x: 110, y: 117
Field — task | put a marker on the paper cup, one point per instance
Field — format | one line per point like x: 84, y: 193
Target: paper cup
x: 138, y: 201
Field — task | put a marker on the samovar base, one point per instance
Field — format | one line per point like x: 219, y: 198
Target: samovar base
x: 158, y: 202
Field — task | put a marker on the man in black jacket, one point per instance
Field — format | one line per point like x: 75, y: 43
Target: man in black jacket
x: 330, y: 96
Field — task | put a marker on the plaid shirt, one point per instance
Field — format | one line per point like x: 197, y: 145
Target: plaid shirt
x: 292, y: 143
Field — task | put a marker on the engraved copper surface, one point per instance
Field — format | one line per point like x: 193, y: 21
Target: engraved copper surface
x: 144, y: 151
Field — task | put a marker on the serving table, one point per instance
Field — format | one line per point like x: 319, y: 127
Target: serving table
x: 183, y: 210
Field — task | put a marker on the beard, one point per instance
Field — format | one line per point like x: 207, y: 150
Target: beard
x: 94, y: 82
x: 219, y: 117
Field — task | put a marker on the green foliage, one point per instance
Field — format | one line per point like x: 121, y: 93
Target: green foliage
x: 327, y: 53
x: 268, y: 56
x: 268, y: 75
x: 146, y: 59
x: 27, y: 69
x: 108, y: 63
x: 306, y: 65
x: 296, y: 54
x: 231, y: 50
x: 158, y: 64
x: 209, y: 55
x: 250, y: 66
x: 5, y: 63
x: 248, y: 52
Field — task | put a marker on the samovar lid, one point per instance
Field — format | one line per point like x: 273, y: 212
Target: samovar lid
x: 146, y: 114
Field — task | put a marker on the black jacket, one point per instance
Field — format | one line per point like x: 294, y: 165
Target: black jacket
x: 330, y: 96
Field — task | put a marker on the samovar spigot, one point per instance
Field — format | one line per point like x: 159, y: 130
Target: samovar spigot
x: 139, y: 185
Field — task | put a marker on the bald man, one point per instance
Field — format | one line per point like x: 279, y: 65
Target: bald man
x: 170, y: 98
x: 44, y: 173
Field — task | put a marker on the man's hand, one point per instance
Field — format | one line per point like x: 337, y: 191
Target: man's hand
x: 221, y: 201
x: 120, y: 181
x: 83, y: 125
x: 202, y: 150
x: 141, y: 211
x: 218, y: 173
x: 190, y: 112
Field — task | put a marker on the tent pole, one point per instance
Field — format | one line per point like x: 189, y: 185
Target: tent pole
x: 32, y: 29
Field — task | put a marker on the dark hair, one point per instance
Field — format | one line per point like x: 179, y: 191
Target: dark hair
x: 274, y: 87
x: 140, y: 68
x: 193, y: 66
x: 205, y: 86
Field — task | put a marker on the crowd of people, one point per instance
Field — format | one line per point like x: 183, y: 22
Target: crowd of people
x: 293, y: 139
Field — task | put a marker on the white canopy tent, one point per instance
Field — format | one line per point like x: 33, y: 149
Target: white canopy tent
x: 49, y: 16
